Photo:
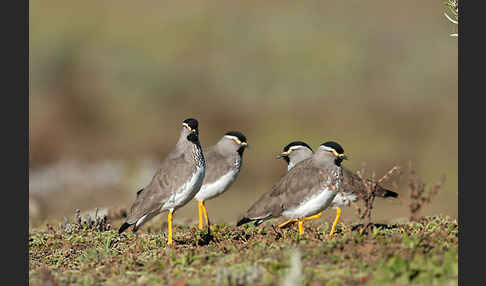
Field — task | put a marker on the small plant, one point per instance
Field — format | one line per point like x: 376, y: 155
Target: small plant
x: 368, y: 198
x: 99, y: 223
x: 418, y: 195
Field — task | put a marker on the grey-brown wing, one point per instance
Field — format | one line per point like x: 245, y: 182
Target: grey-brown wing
x: 300, y: 183
x: 216, y: 165
x: 171, y: 175
x: 265, y: 207
x: 352, y: 183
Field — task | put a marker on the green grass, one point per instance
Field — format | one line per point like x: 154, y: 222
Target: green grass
x: 416, y: 253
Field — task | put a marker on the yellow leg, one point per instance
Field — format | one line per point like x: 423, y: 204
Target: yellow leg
x: 301, y: 227
x: 338, y: 214
x: 199, y: 205
x: 287, y: 222
x: 170, y: 228
x: 314, y: 216
x: 296, y: 220
x: 205, y: 213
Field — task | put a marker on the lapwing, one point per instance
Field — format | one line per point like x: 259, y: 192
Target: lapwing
x: 298, y: 151
x: 295, y: 152
x: 223, y: 164
x: 175, y: 183
x: 304, y: 191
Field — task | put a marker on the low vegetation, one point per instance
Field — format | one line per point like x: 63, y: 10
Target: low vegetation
x: 87, y: 250
x: 423, y: 252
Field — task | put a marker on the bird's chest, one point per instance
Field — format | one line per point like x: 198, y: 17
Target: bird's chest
x: 334, y: 181
x: 217, y: 187
x: 319, y: 200
x: 213, y: 189
x: 343, y: 199
x: 312, y: 205
x: 187, y: 191
x: 237, y: 164
x: 198, y: 157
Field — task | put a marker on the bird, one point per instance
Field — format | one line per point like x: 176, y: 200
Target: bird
x: 223, y: 164
x: 294, y: 152
x: 297, y: 151
x: 304, y: 191
x: 174, y: 184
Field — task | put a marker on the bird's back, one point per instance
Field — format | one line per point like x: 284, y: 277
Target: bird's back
x: 218, y: 165
x: 173, y: 173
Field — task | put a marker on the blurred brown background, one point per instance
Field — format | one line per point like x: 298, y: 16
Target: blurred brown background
x: 111, y: 82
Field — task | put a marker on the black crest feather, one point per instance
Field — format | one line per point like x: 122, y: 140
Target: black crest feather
x: 238, y: 135
x: 295, y: 143
x: 334, y: 146
x: 191, y: 122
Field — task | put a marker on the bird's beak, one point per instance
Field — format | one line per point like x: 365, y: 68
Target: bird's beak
x: 340, y: 156
x: 241, y: 143
x: 283, y: 154
x: 245, y: 144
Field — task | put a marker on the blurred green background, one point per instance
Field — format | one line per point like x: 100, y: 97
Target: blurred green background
x: 111, y: 81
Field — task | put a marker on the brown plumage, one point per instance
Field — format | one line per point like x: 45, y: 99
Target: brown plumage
x: 353, y: 183
x: 175, y: 183
x: 223, y: 164
x: 218, y: 164
x: 352, y: 188
x: 297, y: 151
x: 311, y: 177
x: 172, y: 174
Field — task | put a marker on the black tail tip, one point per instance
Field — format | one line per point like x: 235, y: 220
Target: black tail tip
x: 243, y: 221
x: 390, y: 194
x: 123, y: 227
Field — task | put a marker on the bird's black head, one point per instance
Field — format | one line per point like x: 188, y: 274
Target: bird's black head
x: 290, y: 148
x: 239, y: 139
x: 336, y: 150
x: 191, y: 122
x: 238, y: 135
x: 192, y: 125
x: 295, y: 143
x: 335, y: 146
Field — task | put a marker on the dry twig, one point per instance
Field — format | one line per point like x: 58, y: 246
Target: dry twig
x: 418, y: 195
x: 368, y: 198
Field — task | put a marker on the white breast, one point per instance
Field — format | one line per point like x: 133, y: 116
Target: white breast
x: 290, y: 166
x: 343, y: 200
x: 312, y: 206
x: 216, y: 188
x: 186, y: 192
